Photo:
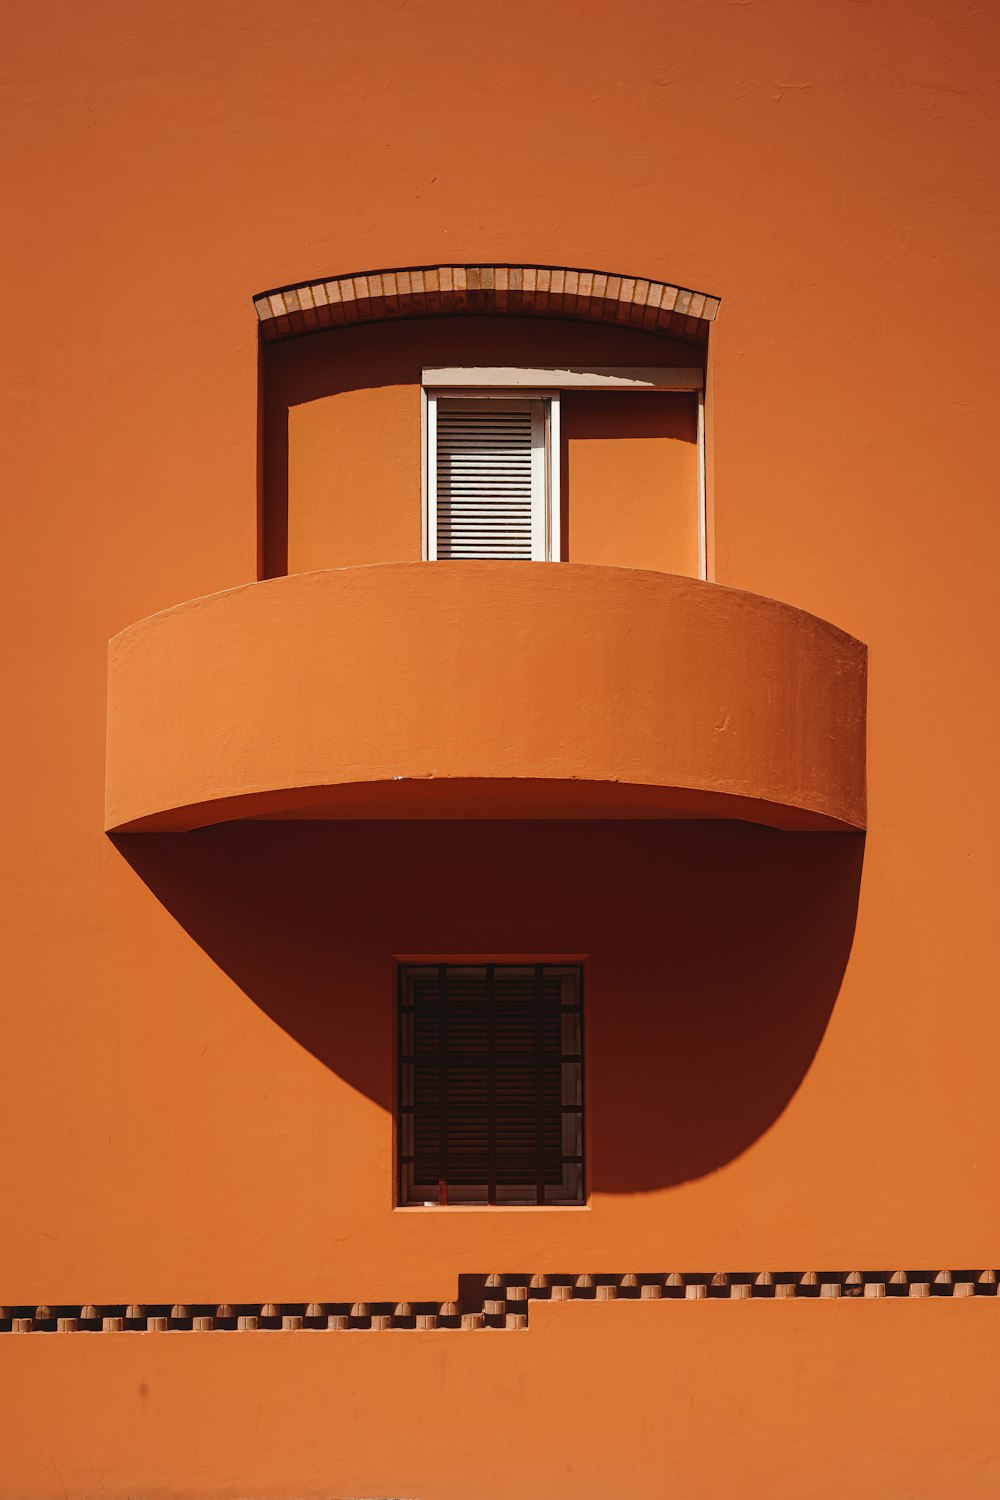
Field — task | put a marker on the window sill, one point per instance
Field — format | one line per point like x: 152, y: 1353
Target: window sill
x: 491, y: 1208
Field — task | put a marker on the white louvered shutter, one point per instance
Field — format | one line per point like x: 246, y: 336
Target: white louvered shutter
x: 487, y: 479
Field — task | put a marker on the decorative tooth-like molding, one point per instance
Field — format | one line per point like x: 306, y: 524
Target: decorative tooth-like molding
x: 503, y: 1301
x: 538, y: 291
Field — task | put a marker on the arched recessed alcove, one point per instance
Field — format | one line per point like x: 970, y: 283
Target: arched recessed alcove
x: 343, y: 418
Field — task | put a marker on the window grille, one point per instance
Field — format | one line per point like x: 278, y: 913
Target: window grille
x: 490, y: 1084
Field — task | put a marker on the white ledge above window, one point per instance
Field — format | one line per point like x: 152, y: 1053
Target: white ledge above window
x: 575, y: 378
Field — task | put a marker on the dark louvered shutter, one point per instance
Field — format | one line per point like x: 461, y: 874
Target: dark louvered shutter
x: 491, y: 1088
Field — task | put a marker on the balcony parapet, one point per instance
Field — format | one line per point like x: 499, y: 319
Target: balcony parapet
x: 484, y: 690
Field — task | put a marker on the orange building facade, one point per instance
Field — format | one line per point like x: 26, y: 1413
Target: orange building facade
x: 500, y: 658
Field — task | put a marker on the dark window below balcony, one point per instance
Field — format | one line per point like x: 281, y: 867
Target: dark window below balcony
x: 490, y: 1084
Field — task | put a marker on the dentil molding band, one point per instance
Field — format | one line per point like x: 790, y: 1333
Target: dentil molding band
x: 496, y: 1301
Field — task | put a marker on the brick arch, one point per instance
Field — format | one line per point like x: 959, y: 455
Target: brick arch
x: 541, y: 291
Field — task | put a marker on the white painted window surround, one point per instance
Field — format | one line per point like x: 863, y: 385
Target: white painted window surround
x: 570, y: 378
x: 491, y: 455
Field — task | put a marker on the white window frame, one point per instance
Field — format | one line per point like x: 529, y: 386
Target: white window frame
x: 546, y: 543
x: 544, y: 385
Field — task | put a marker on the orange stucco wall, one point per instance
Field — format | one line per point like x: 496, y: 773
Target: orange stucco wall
x: 802, y: 1028
x: 632, y: 480
x: 700, y: 1401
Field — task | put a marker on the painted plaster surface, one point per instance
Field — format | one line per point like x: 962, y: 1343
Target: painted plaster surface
x: 660, y: 1388
x: 793, y: 1036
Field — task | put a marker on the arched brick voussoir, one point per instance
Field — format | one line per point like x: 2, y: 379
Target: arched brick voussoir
x: 541, y: 291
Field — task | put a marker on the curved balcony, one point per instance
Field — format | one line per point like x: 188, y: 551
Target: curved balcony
x: 482, y: 690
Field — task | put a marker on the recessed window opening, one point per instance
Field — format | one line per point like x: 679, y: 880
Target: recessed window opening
x: 490, y: 1084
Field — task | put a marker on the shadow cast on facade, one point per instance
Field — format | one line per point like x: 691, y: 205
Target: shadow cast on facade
x: 713, y: 952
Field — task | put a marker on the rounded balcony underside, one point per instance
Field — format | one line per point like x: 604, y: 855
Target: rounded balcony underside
x: 485, y: 690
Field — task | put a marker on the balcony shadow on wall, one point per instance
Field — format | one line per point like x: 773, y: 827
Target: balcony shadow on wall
x: 714, y: 953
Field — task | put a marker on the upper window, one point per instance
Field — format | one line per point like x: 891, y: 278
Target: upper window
x: 492, y: 473
x: 595, y: 464
x: 490, y: 1084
